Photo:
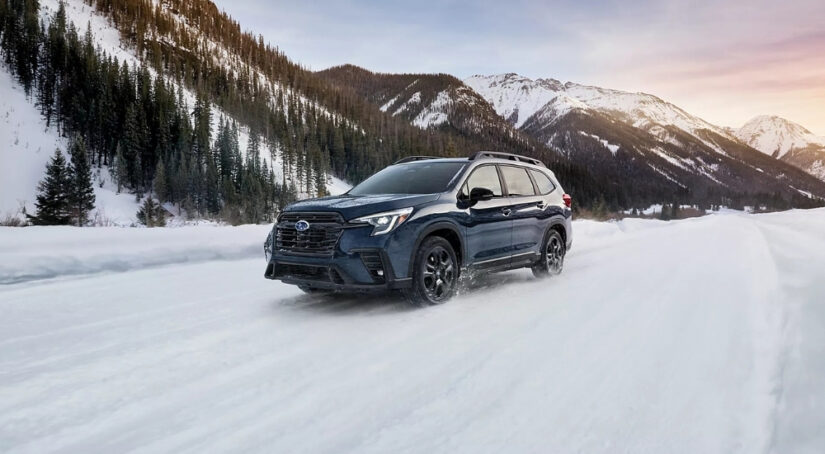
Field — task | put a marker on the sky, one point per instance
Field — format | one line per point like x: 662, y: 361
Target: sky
x: 726, y: 61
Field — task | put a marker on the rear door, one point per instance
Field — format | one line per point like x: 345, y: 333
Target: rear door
x: 527, y: 207
x: 488, y: 224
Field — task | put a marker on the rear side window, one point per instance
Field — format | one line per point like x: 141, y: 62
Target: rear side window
x: 483, y: 177
x: 543, y: 182
x: 518, y: 181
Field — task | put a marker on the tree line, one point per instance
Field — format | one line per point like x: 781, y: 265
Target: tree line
x: 141, y: 126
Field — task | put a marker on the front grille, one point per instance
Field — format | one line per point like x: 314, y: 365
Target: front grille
x: 372, y: 261
x: 319, y: 240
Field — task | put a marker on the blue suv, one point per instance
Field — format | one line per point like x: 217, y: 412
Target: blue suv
x: 421, y: 223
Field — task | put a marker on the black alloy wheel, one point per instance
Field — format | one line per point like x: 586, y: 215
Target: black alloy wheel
x: 435, y: 273
x: 552, y: 256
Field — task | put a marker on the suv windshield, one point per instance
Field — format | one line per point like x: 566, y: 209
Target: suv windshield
x: 414, y: 178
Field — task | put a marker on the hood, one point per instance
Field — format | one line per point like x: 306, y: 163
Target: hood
x: 354, y: 206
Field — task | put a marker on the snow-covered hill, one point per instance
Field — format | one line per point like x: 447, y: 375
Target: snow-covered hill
x: 27, y: 143
x: 786, y: 140
x: 185, y: 349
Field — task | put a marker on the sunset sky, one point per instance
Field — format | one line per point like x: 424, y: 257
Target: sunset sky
x: 724, y: 61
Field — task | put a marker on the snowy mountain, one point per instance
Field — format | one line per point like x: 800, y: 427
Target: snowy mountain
x: 432, y: 101
x: 638, y: 137
x: 519, y: 98
x: 785, y: 140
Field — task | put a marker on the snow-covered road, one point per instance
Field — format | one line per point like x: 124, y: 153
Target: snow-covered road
x: 705, y: 335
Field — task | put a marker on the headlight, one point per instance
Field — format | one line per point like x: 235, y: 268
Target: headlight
x: 385, y: 222
x: 268, y: 244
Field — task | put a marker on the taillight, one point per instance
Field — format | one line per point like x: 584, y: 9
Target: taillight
x: 568, y: 201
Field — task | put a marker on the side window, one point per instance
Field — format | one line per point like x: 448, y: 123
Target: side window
x: 518, y: 181
x: 483, y: 177
x: 543, y: 182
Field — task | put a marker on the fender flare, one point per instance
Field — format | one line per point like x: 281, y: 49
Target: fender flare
x: 558, y: 220
x: 430, y: 228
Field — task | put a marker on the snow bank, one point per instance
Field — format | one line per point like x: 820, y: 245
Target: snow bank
x: 34, y: 253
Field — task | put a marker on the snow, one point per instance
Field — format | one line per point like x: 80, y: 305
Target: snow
x: 651, y: 210
x: 776, y: 136
x: 337, y: 186
x: 389, y: 103
x: 105, y: 36
x: 671, y: 351
x: 613, y: 148
x: 434, y: 114
x: 665, y: 174
x: 511, y: 94
x: 111, y: 207
x: 670, y: 159
x: 34, y: 253
x: 412, y: 101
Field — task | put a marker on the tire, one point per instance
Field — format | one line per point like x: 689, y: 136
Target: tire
x: 553, y: 251
x: 435, y: 273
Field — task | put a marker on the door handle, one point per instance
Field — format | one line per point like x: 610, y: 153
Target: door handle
x: 506, y: 211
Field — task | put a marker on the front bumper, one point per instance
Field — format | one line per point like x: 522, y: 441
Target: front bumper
x: 360, y: 262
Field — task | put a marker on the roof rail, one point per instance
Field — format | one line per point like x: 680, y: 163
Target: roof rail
x: 507, y: 156
x: 413, y: 159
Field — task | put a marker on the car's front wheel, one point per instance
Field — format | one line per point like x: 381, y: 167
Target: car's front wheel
x: 435, y: 273
x: 552, y: 255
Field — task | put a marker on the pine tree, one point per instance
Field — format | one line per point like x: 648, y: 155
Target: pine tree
x: 53, y: 194
x: 81, y: 191
x: 132, y: 147
x: 151, y: 214
x: 160, y: 184
x: 213, y: 199
x: 119, y: 171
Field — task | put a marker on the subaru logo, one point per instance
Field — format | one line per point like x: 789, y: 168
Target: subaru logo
x: 302, y: 226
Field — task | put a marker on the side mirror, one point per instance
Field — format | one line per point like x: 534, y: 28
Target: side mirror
x: 480, y: 194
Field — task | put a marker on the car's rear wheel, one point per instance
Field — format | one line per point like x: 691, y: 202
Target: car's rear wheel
x: 552, y: 255
x: 435, y: 273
